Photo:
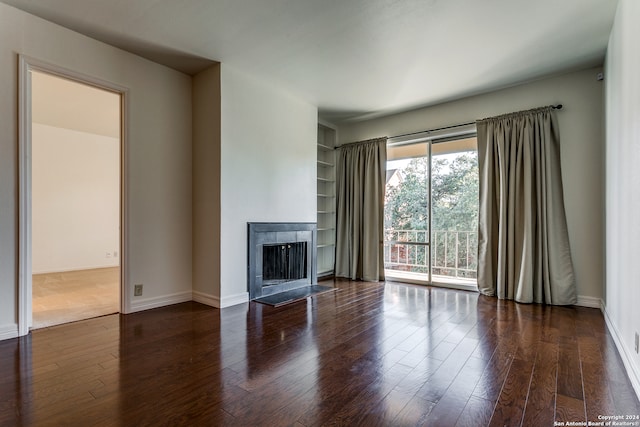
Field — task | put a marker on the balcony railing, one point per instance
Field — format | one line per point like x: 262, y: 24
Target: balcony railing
x: 454, y: 252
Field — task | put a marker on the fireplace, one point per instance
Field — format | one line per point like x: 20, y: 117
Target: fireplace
x: 281, y: 257
x: 283, y: 263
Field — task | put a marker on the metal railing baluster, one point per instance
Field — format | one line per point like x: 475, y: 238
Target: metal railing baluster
x: 405, y: 244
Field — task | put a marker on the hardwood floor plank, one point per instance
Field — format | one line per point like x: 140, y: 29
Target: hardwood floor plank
x: 477, y: 412
x: 437, y: 385
x: 569, y: 409
x: 542, y: 392
x: 451, y: 405
x: 569, y: 368
x: 368, y: 354
x: 414, y: 413
x: 597, y: 394
x: 513, y: 396
x: 492, y: 380
x: 343, y: 387
x: 367, y: 406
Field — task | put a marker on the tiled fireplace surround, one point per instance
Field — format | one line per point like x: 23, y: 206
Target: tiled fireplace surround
x: 261, y: 234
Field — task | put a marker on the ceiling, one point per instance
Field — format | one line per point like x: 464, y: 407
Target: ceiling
x: 354, y: 59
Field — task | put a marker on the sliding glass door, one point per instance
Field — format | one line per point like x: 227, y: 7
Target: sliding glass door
x: 431, y: 212
x: 454, y: 210
x: 407, y: 213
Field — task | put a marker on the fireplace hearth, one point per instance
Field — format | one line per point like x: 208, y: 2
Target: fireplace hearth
x: 281, y: 257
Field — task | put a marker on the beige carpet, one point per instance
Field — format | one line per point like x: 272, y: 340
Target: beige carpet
x: 75, y: 295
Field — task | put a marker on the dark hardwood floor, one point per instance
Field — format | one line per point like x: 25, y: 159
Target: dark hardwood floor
x: 368, y: 354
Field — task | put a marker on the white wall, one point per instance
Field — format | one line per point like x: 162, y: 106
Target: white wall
x: 158, y: 155
x: 581, y: 134
x: 75, y: 200
x: 206, y: 186
x: 622, y: 181
x: 268, y: 173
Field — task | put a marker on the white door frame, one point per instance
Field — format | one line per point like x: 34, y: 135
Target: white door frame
x: 26, y: 65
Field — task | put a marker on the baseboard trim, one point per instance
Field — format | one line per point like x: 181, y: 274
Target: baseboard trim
x: 591, y: 302
x: 162, y: 301
x: 217, y: 302
x: 206, y: 299
x: 234, y: 299
x: 68, y: 270
x: 633, y: 372
x: 8, y: 331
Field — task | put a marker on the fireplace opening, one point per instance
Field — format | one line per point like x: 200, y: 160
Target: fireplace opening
x: 283, y: 263
x: 281, y: 256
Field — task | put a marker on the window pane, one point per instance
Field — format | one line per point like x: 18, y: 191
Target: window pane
x: 454, y: 186
x: 407, y: 211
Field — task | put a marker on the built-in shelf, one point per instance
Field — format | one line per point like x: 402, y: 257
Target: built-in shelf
x: 326, y: 200
x: 323, y: 179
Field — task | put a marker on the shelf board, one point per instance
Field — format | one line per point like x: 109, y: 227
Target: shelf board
x: 325, y: 229
x: 326, y: 245
x: 325, y: 195
x: 325, y: 179
x: 324, y: 147
x: 326, y: 212
x: 322, y: 163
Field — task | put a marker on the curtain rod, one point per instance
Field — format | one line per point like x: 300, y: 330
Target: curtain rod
x: 367, y: 141
x: 555, y: 107
x: 432, y: 130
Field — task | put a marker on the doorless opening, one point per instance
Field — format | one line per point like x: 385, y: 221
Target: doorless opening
x: 71, y: 201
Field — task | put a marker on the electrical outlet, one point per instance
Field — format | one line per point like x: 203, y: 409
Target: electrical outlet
x: 108, y: 255
x: 637, y: 343
x: 115, y: 254
x: 137, y: 290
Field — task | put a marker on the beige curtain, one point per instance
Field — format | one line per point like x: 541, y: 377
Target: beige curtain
x: 360, y: 187
x: 523, y: 243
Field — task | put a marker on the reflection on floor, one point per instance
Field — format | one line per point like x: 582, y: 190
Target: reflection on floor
x: 368, y: 354
x: 75, y: 295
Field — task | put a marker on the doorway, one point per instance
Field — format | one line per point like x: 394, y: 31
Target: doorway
x: 71, y: 186
x: 431, y: 212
